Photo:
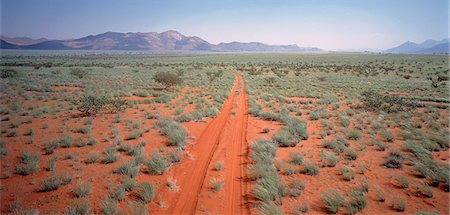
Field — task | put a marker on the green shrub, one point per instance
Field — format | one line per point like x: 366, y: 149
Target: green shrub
x: 379, y: 146
x: 168, y: 79
x: 92, y: 157
x: 49, y: 147
x: 90, y: 105
x: 344, y: 120
x: 296, y: 158
x: 296, y: 187
x: 388, y: 135
x: 129, y: 169
x: 398, y: 204
x: 353, y: 134
x: 26, y: 169
x: 310, y: 169
x: 157, y: 163
x: 29, y: 157
x: 333, y: 200
x: 110, y: 155
x: 347, y: 173
x: 65, y: 141
x: 8, y: 73
x: 79, y: 207
x: 219, y: 165
x: 374, y: 101
x: 328, y: 159
x: 175, y: 133
x: 216, y: 184
x: 357, y: 201
x: 146, y: 191
x: 394, y: 159
x: 109, y: 206
x: 54, y: 181
x: 78, y: 72
x: 269, y: 208
x: 82, y: 190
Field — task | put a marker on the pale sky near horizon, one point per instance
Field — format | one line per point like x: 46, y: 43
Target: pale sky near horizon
x: 327, y: 24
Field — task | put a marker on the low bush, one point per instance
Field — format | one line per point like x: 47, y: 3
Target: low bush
x: 374, y: 101
x: 357, y: 202
x: 310, y: 169
x: 347, y: 173
x: 167, y: 79
x: 353, y: 134
x: 175, y: 132
x: 82, y: 190
x: 394, y: 159
x: 54, y: 181
x: 296, y: 158
x: 129, y: 169
x: 145, y: 191
x: 216, y: 184
x: 328, y: 159
x: 90, y: 105
x: 398, y: 204
x: 333, y: 200
x: 79, y: 207
x: 156, y: 163
x: 110, y: 155
x: 92, y: 157
x: 219, y: 165
x: 109, y: 206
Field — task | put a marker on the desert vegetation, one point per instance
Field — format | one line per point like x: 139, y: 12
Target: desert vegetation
x: 125, y: 133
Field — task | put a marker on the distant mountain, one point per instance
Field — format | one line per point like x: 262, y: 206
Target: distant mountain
x: 427, y: 47
x: 165, y: 41
x: 23, y: 41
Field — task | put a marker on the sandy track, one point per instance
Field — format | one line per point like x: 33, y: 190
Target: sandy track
x: 207, y: 143
x: 236, y: 191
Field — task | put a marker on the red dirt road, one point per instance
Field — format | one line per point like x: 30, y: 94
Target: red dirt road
x: 214, y: 135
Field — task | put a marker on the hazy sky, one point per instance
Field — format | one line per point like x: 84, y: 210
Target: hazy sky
x: 327, y: 24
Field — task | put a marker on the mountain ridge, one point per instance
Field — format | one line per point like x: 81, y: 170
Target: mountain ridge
x: 164, y: 41
x: 427, y: 47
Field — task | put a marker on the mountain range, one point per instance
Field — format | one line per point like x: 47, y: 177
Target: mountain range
x: 427, y: 47
x: 175, y: 41
x: 165, y: 41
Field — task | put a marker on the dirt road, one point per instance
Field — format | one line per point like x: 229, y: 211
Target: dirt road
x: 233, y: 140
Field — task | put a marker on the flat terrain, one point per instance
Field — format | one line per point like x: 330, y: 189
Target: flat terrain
x: 96, y: 132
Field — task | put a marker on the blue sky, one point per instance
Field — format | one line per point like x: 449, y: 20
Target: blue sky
x: 328, y: 24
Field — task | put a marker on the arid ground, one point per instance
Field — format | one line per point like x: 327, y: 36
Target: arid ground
x: 113, y: 133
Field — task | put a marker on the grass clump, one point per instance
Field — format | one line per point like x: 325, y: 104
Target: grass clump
x: 130, y: 169
x: 54, y: 181
x: 347, y: 173
x: 219, y: 165
x: 353, y: 134
x: 145, y: 191
x: 394, y: 159
x: 175, y: 132
x: 398, y: 204
x: 296, y: 158
x: 357, y: 201
x: 328, y: 159
x: 310, y: 169
x: 333, y: 200
x: 110, y: 156
x: 29, y: 163
x: 82, y: 190
x: 216, y: 184
x: 156, y: 163
x: 65, y: 141
x: 79, y: 207
x: 92, y: 157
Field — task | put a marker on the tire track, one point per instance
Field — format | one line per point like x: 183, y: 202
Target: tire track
x: 208, y: 141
